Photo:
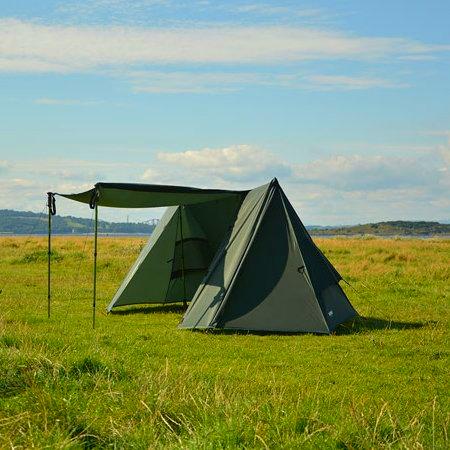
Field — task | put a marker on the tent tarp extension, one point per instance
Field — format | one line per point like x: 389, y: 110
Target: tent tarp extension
x: 243, y: 259
x: 129, y: 195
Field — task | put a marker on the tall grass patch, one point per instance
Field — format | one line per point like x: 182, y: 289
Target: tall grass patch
x: 136, y: 381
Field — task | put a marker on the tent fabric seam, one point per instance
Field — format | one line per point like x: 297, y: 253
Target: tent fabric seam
x: 311, y: 284
x: 220, y: 252
x: 264, y: 205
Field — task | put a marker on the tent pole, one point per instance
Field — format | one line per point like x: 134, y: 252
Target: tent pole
x: 182, y: 261
x: 49, y: 251
x: 94, y: 298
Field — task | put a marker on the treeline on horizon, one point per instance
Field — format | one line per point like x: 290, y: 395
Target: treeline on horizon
x: 390, y: 228
x: 25, y: 222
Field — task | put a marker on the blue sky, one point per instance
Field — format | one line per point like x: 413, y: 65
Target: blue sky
x: 346, y: 102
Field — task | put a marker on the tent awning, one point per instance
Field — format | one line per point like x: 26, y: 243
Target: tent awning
x: 134, y: 195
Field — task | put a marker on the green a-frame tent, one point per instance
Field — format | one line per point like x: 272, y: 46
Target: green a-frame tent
x: 243, y: 259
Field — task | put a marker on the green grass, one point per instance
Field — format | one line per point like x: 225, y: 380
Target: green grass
x: 137, y: 381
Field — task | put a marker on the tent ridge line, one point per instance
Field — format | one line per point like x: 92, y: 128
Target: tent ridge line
x: 267, y: 199
x: 298, y: 245
x: 316, y: 293
x: 328, y: 264
x: 218, y: 256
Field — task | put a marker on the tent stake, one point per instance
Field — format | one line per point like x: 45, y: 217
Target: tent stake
x: 94, y: 297
x: 50, y: 204
x: 182, y: 260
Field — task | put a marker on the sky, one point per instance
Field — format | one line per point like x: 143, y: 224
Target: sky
x: 346, y: 102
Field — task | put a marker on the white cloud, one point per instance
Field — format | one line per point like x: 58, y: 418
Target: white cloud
x: 192, y: 82
x: 267, y: 9
x: 341, y: 82
x: 331, y: 190
x: 175, y: 82
x: 91, y: 7
x: 347, y: 173
x: 445, y: 154
x: 353, y: 188
x: 26, y: 183
x: 138, y: 11
x: 444, y: 168
x: 369, y: 173
x: 285, y: 12
x: 26, y: 64
x: 74, y: 171
x: 4, y: 166
x: 32, y: 46
x: 338, y: 189
x: 241, y: 163
x: 439, y: 133
x: 65, y: 102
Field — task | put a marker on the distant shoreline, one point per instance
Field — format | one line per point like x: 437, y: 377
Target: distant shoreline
x: 313, y: 235
x: 381, y: 236
x: 25, y: 223
x: 3, y: 234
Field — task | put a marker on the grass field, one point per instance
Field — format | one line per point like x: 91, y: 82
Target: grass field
x: 137, y: 381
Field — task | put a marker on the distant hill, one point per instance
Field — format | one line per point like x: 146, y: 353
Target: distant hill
x: 25, y: 222
x: 392, y: 228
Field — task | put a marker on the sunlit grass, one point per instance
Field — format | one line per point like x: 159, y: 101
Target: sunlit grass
x: 137, y: 381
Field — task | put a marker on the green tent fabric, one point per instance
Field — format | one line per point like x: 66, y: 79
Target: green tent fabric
x: 211, y: 292
x: 135, y: 195
x: 183, y: 243
x: 155, y: 260
x: 269, y: 275
x: 243, y: 259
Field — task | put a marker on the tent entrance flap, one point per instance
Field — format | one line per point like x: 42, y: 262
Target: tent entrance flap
x: 174, y: 250
x: 149, y: 276
x: 190, y: 259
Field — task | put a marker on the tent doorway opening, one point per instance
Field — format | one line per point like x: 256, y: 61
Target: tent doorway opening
x: 177, y: 256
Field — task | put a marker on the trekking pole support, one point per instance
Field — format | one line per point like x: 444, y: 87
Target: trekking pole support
x: 94, y: 298
x: 51, y: 205
x: 93, y: 204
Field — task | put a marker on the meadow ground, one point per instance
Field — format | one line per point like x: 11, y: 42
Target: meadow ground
x: 137, y: 381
